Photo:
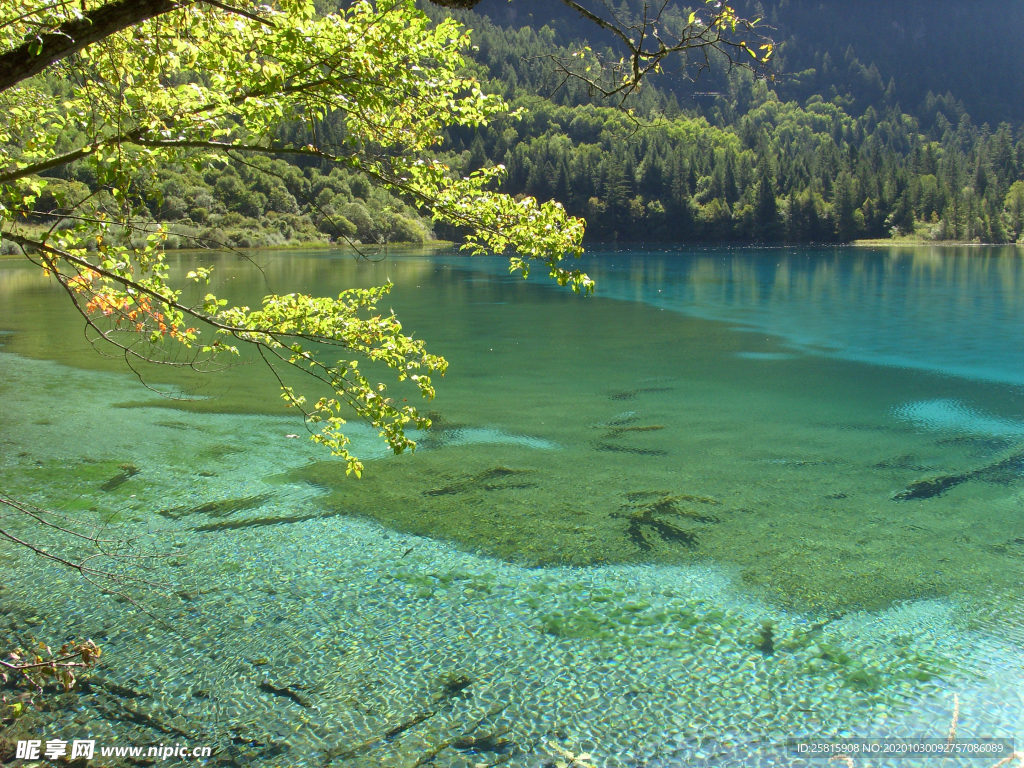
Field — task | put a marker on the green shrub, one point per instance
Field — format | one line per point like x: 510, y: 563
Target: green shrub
x: 357, y: 214
x: 337, y: 226
x: 408, y: 231
x: 281, y: 200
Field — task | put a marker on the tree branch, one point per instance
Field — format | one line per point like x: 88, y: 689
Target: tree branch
x: 240, y: 12
x: 605, y: 25
x: 34, y: 56
x: 463, y: 4
x: 110, y: 549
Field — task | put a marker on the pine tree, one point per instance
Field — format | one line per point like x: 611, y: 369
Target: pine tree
x: 477, y: 154
x: 844, y: 208
x: 766, y: 209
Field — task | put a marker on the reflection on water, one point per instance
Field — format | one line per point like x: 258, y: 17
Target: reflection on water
x: 774, y: 492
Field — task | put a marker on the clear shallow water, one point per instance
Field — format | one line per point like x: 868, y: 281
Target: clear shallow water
x: 686, y: 465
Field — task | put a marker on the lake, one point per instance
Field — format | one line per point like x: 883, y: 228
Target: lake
x: 736, y: 497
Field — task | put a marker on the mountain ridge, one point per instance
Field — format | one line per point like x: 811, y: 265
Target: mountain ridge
x: 858, y: 48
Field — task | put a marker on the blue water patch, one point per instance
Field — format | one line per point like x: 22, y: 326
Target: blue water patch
x: 953, y: 416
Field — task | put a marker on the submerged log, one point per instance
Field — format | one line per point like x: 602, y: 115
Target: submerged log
x: 1005, y: 471
x: 931, y: 487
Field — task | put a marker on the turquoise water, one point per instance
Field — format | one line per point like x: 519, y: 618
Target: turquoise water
x: 738, y: 496
x: 942, y: 310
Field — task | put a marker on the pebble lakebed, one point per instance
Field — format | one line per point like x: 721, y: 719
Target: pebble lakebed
x: 306, y: 642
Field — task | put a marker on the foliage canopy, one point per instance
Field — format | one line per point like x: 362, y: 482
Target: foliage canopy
x: 204, y: 83
x: 133, y: 87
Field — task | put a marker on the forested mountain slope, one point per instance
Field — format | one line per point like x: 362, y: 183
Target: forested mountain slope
x: 854, y: 49
x: 971, y: 50
x: 855, y: 144
x: 828, y: 156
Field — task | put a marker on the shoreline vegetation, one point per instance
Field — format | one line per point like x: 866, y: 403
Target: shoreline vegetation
x: 439, y: 244
x: 920, y: 241
x: 300, y: 246
x: 226, y: 240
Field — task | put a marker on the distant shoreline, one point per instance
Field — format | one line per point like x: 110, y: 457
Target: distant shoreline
x: 319, y: 246
x: 441, y: 244
x: 936, y: 243
x: 290, y: 246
